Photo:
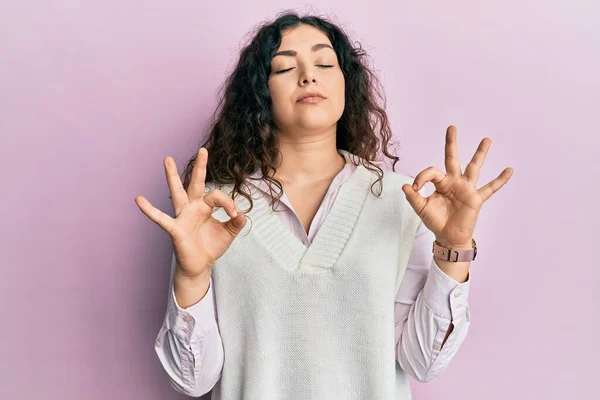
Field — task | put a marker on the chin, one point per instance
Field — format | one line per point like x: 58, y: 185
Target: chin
x: 315, y: 125
x: 315, y: 120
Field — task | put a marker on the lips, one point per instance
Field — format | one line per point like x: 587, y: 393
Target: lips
x: 310, y: 100
x: 311, y: 97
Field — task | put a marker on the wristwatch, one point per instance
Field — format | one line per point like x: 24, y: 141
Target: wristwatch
x: 454, y: 255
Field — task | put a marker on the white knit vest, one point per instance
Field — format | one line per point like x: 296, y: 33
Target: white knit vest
x: 302, y: 323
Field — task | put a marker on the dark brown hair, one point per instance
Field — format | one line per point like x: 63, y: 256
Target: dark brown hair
x: 242, y: 138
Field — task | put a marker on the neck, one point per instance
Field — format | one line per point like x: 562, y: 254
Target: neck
x: 309, y: 158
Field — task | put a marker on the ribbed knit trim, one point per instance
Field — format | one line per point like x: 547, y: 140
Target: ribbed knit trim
x: 331, y: 238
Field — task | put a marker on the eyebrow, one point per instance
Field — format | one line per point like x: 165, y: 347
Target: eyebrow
x: 293, y: 53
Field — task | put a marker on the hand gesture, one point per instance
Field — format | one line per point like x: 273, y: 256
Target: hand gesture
x: 198, y: 238
x: 452, y: 210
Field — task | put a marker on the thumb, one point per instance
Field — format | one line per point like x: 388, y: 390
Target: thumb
x: 414, y: 198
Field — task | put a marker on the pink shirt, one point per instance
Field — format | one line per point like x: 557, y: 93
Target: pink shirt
x: 424, y: 307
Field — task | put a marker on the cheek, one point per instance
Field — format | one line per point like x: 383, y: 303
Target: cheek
x: 274, y: 92
x: 279, y: 106
x: 340, y: 90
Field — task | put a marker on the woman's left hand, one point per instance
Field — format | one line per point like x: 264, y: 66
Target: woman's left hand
x: 451, y: 211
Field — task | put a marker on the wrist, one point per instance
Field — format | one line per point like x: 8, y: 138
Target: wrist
x: 451, y: 255
x: 456, y: 246
x: 189, y: 291
x: 188, y: 280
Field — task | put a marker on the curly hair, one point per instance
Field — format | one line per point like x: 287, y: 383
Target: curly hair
x: 242, y: 138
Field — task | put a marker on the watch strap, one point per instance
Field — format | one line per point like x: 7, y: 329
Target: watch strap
x: 454, y: 255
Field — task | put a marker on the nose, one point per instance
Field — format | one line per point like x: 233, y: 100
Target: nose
x: 307, y: 76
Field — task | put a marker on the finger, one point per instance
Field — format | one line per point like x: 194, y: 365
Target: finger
x: 179, y: 197
x: 430, y: 174
x: 218, y: 198
x: 196, y: 187
x: 451, y: 159
x: 414, y: 198
x: 488, y: 190
x: 236, y: 224
x: 474, y: 167
x: 160, y: 218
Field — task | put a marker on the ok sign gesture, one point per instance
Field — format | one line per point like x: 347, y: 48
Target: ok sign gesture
x: 198, y: 238
x: 451, y: 211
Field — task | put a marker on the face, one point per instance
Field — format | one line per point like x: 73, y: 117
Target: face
x: 305, y: 62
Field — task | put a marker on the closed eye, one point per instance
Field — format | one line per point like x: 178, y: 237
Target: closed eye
x: 319, y: 65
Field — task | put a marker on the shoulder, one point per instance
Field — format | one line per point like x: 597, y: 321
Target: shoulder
x: 210, y: 186
x: 396, y: 177
x: 394, y: 180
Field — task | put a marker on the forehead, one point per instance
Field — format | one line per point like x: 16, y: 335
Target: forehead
x: 302, y: 37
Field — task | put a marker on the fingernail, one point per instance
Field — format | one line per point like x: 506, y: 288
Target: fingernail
x: 415, y: 186
x: 234, y: 213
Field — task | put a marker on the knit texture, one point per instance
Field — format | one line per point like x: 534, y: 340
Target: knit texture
x: 316, y: 322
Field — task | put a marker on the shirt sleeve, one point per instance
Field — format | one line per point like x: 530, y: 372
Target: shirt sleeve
x: 189, y: 345
x: 427, y: 302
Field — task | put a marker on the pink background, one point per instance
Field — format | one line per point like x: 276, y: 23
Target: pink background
x: 95, y: 94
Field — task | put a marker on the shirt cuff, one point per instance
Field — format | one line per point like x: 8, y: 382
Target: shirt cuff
x: 191, y: 323
x: 445, y: 296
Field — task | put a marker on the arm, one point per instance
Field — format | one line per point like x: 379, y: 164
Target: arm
x: 431, y: 313
x: 188, y: 344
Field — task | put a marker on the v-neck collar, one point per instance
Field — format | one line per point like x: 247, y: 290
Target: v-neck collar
x: 329, y: 241
x: 285, y: 204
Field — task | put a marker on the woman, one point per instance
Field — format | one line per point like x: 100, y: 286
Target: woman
x: 297, y: 304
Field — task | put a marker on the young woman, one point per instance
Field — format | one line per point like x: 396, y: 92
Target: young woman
x: 302, y: 269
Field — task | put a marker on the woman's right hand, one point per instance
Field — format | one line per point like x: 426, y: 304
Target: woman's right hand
x: 198, y: 238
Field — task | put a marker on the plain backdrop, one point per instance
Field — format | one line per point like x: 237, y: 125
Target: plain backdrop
x: 94, y: 95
